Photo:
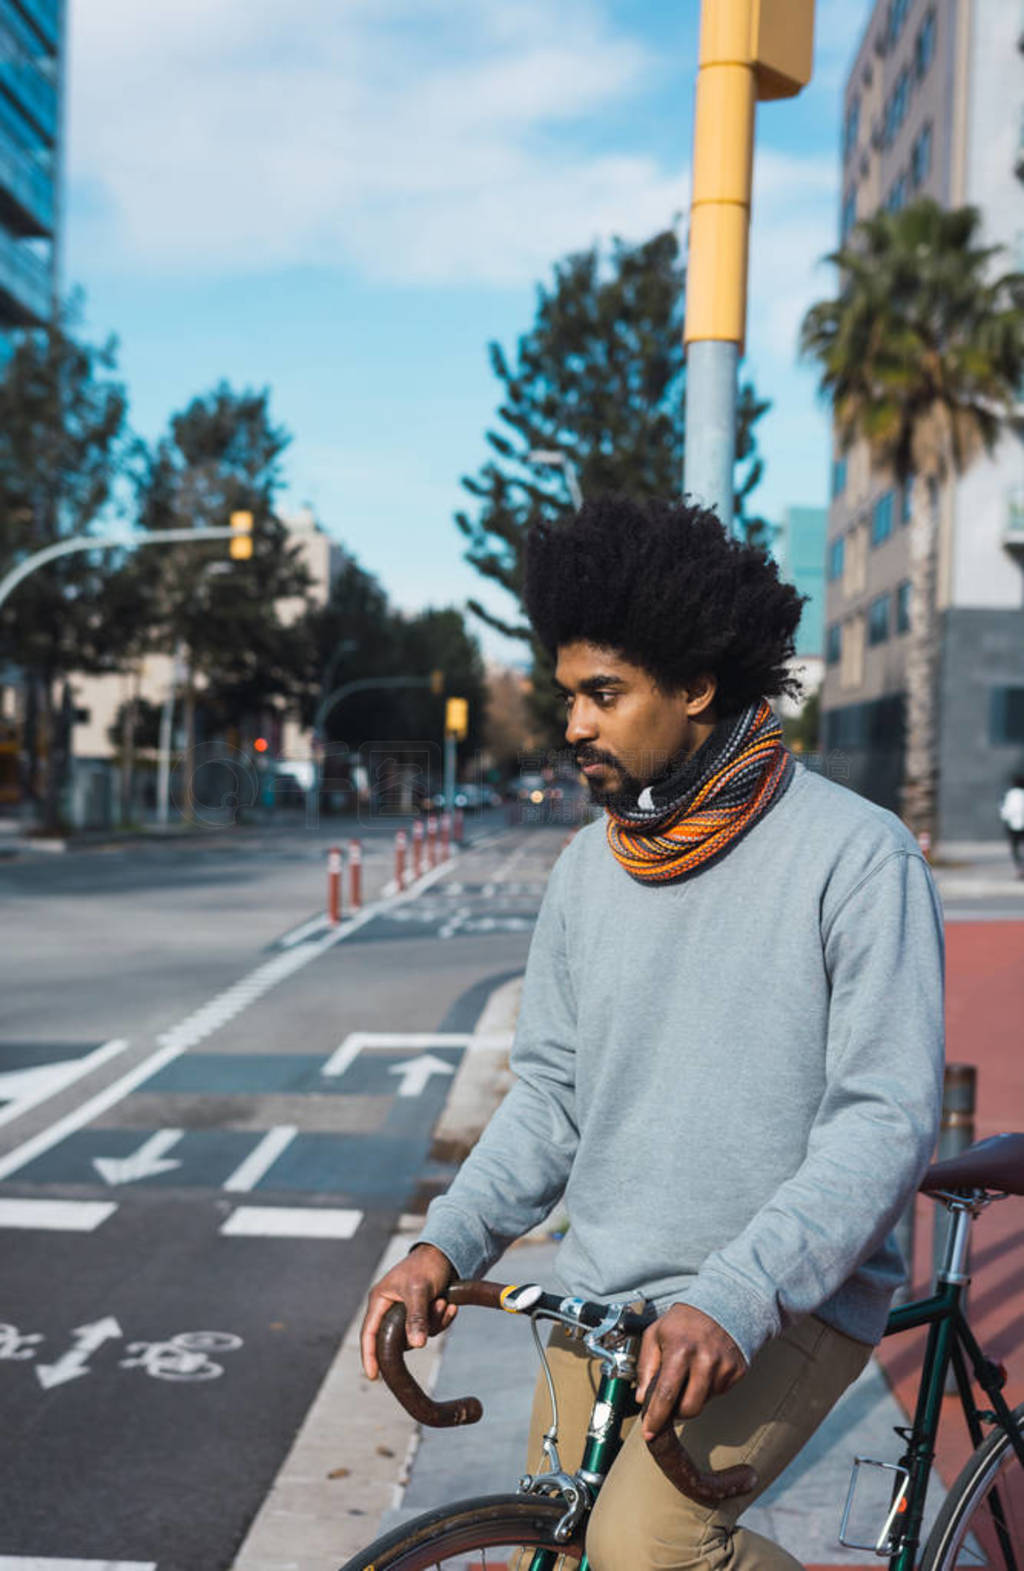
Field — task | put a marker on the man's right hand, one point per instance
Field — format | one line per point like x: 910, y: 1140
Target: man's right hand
x: 419, y: 1282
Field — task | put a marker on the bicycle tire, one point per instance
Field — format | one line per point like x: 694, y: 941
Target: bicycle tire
x: 967, y: 1531
x: 463, y: 1533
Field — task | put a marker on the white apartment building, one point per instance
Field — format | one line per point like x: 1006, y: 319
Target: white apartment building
x: 933, y: 105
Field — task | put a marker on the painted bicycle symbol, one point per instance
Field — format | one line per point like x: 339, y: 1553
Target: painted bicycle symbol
x: 182, y: 1357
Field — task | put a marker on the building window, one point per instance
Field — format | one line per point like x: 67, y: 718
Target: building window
x: 849, y: 215
x: 924, y: 46
x: 836, y: 553
x: 897, y: 16
x: 897, y: 197
x: 878, y: 620
x: 921, y: 157
x: 851, y: 129
x: 903, y: 607
x: 896, y: 108
x: 1006, y: 716
x: 833, y: 644
x: 881, y: 519
x: 838, y: 476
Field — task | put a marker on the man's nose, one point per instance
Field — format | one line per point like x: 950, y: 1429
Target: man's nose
x: 580, y: 722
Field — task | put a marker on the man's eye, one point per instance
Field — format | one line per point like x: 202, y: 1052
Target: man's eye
x: 604, y: 699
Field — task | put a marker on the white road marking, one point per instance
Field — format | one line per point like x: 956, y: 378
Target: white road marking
x: 56, y: 1216
x: 290, y: 1222
x: 88, y: 1339
x: 26, y: 1088
x: 298, y: 935
x: 366, y: 1041
x: 47, y: 1563
x: 146, y: 1162
x: 259, y: 1161
x: 417, y: 1072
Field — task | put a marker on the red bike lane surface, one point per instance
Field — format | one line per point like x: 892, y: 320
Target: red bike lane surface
x: 984, y: 1027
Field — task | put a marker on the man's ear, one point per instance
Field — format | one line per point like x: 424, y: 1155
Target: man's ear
x: 700, y: 694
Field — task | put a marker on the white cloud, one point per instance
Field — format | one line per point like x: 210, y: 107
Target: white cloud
x: 415, y: 140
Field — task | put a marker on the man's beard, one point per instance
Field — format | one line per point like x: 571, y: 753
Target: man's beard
x: 627, y: 787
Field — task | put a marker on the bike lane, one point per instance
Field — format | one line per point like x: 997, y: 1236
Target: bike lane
x: 177, y: 1270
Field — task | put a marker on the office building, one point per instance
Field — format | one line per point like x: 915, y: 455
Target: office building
x: 31, y: 36
x: 933, y: 106
x: 799, y: 549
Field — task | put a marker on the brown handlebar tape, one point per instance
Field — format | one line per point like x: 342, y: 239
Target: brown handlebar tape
x: 709, y: 1488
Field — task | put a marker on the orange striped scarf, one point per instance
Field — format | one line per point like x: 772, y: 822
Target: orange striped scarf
x: 721, y: 791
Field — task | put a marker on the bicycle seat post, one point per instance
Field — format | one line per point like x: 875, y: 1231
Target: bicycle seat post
x: 953, y: 1270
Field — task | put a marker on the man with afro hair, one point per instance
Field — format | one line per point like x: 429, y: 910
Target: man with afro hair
x: 729, y: 1052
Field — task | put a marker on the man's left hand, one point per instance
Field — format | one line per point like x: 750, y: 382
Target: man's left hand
x: 685, y: 1358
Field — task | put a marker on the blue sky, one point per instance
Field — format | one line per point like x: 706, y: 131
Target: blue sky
x: 344, y: 200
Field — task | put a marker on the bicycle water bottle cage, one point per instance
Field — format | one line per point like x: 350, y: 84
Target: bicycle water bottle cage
x: 866, y: 1502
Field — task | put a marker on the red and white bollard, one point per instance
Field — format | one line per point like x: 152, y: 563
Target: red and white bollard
x: 458, y: 826
x: 417, y: 848
x: 446, y: 835
x: 400, y: 860
x: 431, y: 841
x: 355, y: 871
x: 334, y: 885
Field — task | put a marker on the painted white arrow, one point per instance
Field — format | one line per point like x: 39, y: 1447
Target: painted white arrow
x: 148, y: 1160
x: 415, y: 1072
x: 75, y: 1360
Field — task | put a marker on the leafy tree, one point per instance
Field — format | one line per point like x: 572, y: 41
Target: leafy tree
x: 600, y: 378
x: 63, y: 445
x: 921, y: 355
x: 222, y: 454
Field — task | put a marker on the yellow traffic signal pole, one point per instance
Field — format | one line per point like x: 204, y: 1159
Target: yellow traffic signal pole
x: 749, y: 50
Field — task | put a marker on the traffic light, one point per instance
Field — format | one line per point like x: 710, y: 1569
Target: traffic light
x: 437, y: 682
x: 456, y: 718
x: 240, y: 545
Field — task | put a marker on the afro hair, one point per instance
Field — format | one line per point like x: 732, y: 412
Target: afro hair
x: 664, y: 585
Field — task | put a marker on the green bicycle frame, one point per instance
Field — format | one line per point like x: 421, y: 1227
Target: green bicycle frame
x: 949, y: 1338
x: 614, y: 1403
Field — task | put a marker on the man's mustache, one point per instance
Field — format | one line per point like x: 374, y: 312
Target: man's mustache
x: 588, y: 755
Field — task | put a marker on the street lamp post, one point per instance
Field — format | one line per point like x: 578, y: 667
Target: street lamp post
x: 556, y: 459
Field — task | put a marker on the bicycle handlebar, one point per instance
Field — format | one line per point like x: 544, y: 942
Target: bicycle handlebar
x: 707, y: 1488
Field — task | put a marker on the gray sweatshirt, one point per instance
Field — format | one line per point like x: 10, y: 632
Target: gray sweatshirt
x: 735, y: 1080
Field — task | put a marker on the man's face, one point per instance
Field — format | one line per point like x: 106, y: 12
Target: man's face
x: 624, y: 730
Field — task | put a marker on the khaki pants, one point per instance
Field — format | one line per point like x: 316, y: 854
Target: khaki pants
x: 641, y: 1522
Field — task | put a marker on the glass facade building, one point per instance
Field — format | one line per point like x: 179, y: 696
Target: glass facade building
x: 31, y: 39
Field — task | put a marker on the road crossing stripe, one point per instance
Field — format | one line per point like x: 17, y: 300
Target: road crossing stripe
x: 56, y: 1216
x: 248, y: 1173
x: 45, y: 1563
x: 290, y: 1222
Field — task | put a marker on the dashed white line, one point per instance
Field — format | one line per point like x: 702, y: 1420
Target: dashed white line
x: 289, y: 1222
x: 262, y: 1158
x: 56, y: 1216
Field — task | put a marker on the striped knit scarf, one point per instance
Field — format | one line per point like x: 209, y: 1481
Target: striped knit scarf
x: 699, y: 814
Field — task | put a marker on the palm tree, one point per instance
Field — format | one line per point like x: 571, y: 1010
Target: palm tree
x: 921, y: 355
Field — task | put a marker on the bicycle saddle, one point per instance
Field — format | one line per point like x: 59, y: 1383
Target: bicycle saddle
x: 996, y: 1163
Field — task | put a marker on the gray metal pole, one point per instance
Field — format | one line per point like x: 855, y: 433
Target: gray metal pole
x: 449, y: 772
x: 711, y: 375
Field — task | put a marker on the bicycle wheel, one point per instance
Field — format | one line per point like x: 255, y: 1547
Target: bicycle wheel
x: 982, y: 1519
x: 490, y: 1533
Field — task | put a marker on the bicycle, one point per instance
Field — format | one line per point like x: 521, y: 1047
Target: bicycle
x: 543, y: 1524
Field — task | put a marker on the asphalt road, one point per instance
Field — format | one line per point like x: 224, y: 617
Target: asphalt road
x: 187, y: 1228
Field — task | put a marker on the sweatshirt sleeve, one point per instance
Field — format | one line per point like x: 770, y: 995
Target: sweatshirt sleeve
x: 877, y: 1123
x: 519, y: 1167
